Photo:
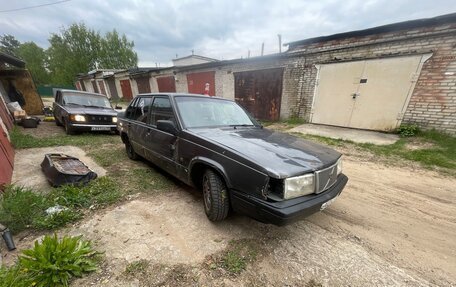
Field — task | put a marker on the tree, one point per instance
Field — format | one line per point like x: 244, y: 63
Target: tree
x: 35, y: 59
x: 9, y: 44
x: 78, y: 49
x: 117, y: 52
x: 75, y: 50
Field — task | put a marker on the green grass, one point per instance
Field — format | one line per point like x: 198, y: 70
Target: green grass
x: 21, y: 140
x: 434, y: 149
x: 136, y: 267
x: 75, y: 199
x: 238, y: 254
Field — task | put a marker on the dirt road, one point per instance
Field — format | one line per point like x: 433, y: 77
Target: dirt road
x: 391, y: 227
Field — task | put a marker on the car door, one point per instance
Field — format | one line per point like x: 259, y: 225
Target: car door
x: 56, y: 106
x: 160, y: 145
x: 137, y: 115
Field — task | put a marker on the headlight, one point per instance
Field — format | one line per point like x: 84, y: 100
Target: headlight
x: 114, y: 119
x: 339, y: 166
x: 299, y: 186
x: 77, y: 118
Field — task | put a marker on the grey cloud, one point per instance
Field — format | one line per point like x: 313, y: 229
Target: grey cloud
x: 221, y: 29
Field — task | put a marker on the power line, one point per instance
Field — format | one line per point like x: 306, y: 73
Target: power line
x: 31, y: 7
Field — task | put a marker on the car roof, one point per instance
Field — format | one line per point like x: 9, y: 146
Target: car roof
x: 180, y: 95
x: 80, y: 92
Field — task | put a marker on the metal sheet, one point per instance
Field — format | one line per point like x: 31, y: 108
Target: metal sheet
x: 366, y: 94
x: 126, y: 89
x: 260, y: 92
x: 201, y: 83
x: 102, y: 87
x: 95, y: 87
x: 143, y: 84
x: 166, y: 84
x: 6, y: 159
x: 112, y: 88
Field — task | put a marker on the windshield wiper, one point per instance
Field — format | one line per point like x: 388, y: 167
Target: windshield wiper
x: 242, y: 125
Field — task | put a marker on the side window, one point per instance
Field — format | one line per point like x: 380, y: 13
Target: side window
x: 139, y: 109
x: 130, y: 112
x: 161, y: 110
x: 58, y: 97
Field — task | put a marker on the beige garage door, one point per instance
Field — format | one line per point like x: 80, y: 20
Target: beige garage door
x: 371, y: 94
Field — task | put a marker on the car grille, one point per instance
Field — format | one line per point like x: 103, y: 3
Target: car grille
x: 325, y: 178
x: 99, y: 119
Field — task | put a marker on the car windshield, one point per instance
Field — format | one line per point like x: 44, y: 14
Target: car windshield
x: 86, y: 100
x: 210, y: 112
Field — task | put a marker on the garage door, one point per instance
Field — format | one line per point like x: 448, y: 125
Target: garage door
x: 6, y: 159
x: 260, y: 92
x: 371, y: 94
x: 143, y: 85
x: 126, y: 89
x: 166, y: 84
x: 201, y: 83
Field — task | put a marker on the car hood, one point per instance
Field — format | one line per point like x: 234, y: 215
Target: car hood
x: 280, y: 155
x: 91, y: 111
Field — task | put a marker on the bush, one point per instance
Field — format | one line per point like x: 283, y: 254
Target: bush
x: 56, y: 220
x: 54, y: 262
x: 408, y: 130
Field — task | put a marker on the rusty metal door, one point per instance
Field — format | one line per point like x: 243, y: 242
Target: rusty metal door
x: 201, y: 83
x: 112, y: 88
x: 143, y: 84
x: 260, y: 92
x: 102, y: 87
x: 95, y: 87
x: 5, y: 115
x: 126, y: 89
x: 6, y: 159
x: 83, y: 88
x: 166, y: 84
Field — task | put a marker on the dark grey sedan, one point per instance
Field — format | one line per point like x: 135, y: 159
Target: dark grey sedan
x: 215, y: 145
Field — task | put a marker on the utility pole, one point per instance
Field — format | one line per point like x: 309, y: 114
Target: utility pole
x: 262, y: 49
x: 248, y: 54
x: 280, y: 43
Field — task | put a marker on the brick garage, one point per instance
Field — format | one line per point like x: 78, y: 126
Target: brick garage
x: 433, y: 101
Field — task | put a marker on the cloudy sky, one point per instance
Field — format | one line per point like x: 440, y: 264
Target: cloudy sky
x: 221, y: 29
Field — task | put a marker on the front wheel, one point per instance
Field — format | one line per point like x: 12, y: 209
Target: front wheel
x: 68, y: 129
x: 215, y: 193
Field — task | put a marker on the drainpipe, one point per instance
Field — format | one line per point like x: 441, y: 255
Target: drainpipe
x: 8, y: 237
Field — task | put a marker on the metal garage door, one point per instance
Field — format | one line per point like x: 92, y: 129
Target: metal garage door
x: 260, y: 92
x: 371, y: 94
x: 201, y: 83
x: 143, y: 84
x: 126, y: 89
x: 166, y: 84
x: 6, y: 159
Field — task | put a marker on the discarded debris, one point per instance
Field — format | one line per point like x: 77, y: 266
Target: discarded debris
x: 61, y: 169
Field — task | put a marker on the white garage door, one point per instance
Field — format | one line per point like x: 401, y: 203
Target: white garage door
x: 370, y: 94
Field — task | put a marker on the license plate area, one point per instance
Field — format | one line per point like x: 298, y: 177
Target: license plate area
x: 327, y: 204
x: 100, y: 129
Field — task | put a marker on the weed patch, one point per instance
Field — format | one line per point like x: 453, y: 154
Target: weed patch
x: 54, y: 262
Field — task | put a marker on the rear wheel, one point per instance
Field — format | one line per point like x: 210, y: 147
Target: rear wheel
x: 130, y: 151
x: 215, y: 193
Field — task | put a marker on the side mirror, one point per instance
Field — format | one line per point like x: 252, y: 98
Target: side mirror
x: 167, y: 126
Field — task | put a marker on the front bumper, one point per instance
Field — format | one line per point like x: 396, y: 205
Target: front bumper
x: 92, y: 127
x: 287, y: 211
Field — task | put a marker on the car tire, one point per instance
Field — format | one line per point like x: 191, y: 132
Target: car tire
x: 215, y: 196
x: 57, y: 122
x: 130, y: 151
x: 69, y: 130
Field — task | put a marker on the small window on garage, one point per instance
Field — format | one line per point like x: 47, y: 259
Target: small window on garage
x: 161, y: 110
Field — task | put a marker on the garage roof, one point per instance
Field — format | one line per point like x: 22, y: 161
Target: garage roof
x: 439, y: 20
x: 6, y: 58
